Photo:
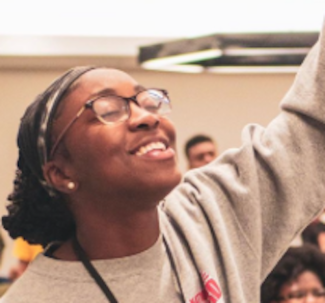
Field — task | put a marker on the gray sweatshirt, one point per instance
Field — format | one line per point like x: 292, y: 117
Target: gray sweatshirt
x: 225, y: 225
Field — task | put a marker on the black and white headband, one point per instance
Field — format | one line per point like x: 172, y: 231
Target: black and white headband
x: 34, y: 137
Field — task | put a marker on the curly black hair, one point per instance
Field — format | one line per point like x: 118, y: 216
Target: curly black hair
x: 37, y: 212
x: 33, y: 214
x: 293, y: 263
x: 311, y: 232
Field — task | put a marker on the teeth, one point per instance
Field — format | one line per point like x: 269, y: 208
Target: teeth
x: 151, y: 146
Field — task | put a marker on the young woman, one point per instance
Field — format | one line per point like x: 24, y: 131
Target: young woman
x: 96, y: 158
x: 298, y: 277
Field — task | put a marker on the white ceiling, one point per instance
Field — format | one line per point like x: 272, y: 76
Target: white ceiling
x: 156, y: 18
x: 117, y: 28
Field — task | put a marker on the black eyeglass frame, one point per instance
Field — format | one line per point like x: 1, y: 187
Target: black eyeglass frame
x: 89, y: 105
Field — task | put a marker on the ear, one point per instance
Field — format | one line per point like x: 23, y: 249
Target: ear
x: 321, y: 241
x: 58, y: 178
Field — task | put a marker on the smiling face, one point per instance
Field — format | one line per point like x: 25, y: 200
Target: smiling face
x: 130, y: 160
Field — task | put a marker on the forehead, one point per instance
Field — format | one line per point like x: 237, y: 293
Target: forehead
x: 97, y: 80
x: 306, y: 280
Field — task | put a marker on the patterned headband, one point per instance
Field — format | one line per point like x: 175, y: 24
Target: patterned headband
x: 34, y: 138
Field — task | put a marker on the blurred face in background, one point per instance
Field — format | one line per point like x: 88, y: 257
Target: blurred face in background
x: 201, y: 154
x: 307, y: 288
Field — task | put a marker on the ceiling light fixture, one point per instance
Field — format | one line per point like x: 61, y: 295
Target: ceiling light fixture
x: 185, y: 58
x: 254, y: 52
x: 265, y: 51
x: 252, y: 69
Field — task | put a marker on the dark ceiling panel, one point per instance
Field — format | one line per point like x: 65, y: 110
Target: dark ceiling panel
x: 276, y: 49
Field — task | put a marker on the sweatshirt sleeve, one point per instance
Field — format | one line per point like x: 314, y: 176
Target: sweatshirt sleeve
x: 271, y: 187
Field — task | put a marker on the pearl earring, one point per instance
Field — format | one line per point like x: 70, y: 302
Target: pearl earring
x: 71, y: 185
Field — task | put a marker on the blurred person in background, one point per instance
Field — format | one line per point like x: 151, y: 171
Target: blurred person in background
x: 200, y: 150
x: 24, y: 253
x: 299, y: 277
x: 314, y: 234
x: 4, y: 281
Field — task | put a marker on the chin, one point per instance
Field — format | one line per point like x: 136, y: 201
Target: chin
x: 174, y: 181
x: 158, y: 186
x: 169, y: 183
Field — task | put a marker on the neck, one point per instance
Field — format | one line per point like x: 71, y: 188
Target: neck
x: 106, y: 235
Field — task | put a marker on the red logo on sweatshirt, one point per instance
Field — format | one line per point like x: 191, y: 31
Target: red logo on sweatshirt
x: 211, y: 292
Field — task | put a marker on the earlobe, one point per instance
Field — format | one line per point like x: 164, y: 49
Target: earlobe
x: 57, y: 178
x: 71, y: 185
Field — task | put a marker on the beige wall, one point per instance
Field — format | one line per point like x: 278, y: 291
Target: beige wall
x: 218, y: 105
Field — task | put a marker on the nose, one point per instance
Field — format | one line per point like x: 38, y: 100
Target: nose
x: 208, y: 158
x: 141, y: 119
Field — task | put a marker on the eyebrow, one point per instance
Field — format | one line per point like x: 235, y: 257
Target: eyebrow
x: 110, y: 91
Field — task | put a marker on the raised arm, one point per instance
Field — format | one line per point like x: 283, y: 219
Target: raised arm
x: 267, y: 190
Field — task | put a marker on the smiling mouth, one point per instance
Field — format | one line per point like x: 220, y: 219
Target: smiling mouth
x: 153, y: 146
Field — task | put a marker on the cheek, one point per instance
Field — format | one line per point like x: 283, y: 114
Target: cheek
x: 169, y: 128
x: 96, y: 147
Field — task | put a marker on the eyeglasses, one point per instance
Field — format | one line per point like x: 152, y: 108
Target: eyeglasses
x: 300, y: 296
x: 112, y: 109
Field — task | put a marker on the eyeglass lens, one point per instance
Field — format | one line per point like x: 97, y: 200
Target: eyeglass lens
x: 114, y: 108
